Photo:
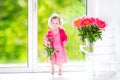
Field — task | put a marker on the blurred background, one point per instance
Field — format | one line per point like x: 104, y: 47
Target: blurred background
x: 13, y: 31
x: 14, y: 28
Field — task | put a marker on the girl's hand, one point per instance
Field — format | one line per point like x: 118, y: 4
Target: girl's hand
x: 64, y: 43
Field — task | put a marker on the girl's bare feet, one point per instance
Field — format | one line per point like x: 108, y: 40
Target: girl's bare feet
x: 52, y: 71
x: 60, y: 72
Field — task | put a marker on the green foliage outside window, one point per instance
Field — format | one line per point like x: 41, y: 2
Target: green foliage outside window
x: 13, y: 31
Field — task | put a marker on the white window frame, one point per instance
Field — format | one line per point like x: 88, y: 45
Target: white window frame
x: 32, y: 65
x: 93, y: 8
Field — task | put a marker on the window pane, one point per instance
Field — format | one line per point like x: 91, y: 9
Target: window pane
x: 13, y: 31
x: 68, y: 10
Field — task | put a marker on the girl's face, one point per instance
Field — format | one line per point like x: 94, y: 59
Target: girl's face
x: 55, y: 23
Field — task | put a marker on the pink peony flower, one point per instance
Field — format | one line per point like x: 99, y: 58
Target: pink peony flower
x: 92, y: 20
x: 85, y: 22
x: 101, y: 24
x: 49, y: 40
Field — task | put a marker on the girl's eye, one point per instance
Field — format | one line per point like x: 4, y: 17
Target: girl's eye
x: 55, y: 23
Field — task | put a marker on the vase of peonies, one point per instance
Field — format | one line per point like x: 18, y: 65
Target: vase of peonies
x: 89, y: 31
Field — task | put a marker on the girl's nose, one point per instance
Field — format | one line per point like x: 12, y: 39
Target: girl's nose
x: 54, y: 24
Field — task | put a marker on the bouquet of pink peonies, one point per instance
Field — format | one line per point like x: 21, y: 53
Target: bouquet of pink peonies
x: 49, y: 47
x: 89, y: 28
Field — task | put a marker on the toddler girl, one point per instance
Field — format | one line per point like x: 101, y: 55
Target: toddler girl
x: 59, y: 39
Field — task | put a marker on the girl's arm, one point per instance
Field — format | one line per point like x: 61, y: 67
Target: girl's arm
x: 64, y: 37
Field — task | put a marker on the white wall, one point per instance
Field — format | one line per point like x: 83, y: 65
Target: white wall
x: 107, y: 52
x: 109, y: 10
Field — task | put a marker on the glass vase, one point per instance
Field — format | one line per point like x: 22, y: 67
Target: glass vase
x: 86, y: 47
